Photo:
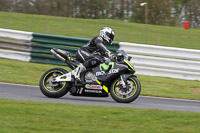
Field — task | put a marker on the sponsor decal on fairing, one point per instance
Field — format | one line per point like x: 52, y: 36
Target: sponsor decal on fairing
x: 93, y: 91
x: 98, y: 87
x: 100, y: 73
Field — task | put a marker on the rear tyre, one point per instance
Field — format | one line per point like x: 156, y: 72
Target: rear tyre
x: 53, y: 89
x: 127, y: 95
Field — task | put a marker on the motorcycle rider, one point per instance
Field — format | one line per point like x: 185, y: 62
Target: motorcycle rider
x: 89, y: 54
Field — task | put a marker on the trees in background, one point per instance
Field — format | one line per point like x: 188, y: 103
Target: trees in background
x: 190, y: 11
x: 160, y: 12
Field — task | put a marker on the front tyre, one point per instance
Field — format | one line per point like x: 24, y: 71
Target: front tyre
x: 128, y: 94
x: 53, y: 89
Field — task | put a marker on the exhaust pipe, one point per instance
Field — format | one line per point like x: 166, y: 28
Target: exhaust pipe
x: 57, y: 55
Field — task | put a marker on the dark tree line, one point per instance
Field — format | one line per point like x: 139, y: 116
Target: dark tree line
x: 160, y: 12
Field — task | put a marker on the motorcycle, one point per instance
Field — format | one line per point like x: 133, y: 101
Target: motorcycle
x: 113, y: 77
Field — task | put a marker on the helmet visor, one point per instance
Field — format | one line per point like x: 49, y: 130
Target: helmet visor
x: 111, y: 36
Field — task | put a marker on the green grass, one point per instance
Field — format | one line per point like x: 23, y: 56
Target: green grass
x: 87, y: 28
x: 29, y: 73
x: 22, y: 72
x: 35, y: 117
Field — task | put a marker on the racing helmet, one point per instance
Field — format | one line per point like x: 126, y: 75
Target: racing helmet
x: 107, y: 34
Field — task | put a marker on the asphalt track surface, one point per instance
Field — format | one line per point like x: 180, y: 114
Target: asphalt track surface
x: 32, y: 93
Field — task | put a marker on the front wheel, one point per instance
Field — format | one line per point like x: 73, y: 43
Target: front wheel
x: 128, y: 94
x: 53, y: 89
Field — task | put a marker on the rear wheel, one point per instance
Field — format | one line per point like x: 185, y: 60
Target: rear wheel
x: 53, y: 89
x: 128, y: 94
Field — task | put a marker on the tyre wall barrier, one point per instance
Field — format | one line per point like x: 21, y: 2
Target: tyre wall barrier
x: 38, y: 45
x: 148, y: 59
x: 162, y: 61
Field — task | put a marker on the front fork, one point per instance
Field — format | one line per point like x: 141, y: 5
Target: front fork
x: 122, y: 81
x: 124, y: 78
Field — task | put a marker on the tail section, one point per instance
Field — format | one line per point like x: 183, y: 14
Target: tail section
x: 65, y: 56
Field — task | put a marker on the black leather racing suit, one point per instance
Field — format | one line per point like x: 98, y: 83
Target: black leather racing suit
x: 90, y: 53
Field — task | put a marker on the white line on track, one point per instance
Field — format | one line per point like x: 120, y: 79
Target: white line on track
x: 163, y: 98
x: 17, y: 84
x: 177, y: 106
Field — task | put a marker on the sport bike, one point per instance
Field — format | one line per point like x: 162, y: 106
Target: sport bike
x: 113, y: 77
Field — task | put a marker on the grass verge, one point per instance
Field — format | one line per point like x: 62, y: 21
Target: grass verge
x: 32, y: 117
x: 13, y: 71
x: 88, y: 28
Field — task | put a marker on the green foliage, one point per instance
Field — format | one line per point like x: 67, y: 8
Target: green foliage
x: 190, y: 9
x: 87, y: 28
x: 158, y: 12
x: 182, y: 2
x: 136, y: 17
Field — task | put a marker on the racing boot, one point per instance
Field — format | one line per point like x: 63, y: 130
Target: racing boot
x: 76, y: 72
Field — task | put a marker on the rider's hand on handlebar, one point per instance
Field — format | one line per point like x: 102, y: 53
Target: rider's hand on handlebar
x: 112, y: 57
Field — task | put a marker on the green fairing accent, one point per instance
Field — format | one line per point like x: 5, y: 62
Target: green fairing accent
x: 98, y: 82
x: 105, y: 67
x: 127, y: 62
x: 104, y: 87
x: 70, y: 59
